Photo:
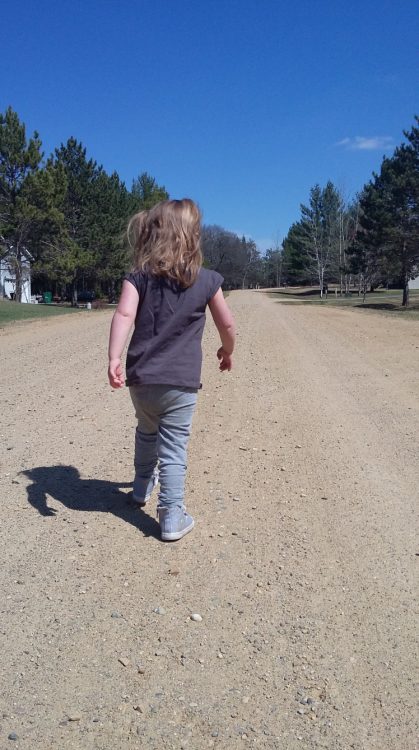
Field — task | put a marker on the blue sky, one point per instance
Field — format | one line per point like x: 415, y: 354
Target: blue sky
x: 241, y: 105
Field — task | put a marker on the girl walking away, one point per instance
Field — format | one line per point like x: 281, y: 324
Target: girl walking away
x: 165, y: 297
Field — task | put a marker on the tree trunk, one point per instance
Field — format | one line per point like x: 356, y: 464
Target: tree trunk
x: 405, y: 302
x: 278, y: 274
x: 17, y: 272
x: 340, y: 252
x: 74, y: 294
x: 18, y: 287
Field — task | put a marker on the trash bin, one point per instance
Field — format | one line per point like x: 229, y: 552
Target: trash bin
x: 47, y: 297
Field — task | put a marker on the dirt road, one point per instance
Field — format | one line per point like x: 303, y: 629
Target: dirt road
x: 303, y: 481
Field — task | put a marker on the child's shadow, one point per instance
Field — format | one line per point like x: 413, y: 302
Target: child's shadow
x: 63, y: 483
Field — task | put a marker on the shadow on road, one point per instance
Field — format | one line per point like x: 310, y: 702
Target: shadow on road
x: 294, y: 293
x: 379, y: 306
x: 64, y: 484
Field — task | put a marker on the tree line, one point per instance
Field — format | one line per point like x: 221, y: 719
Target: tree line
x: 363, y: 243
x: 68, y: 216
x: 64, y: 212
x: 370, y: 241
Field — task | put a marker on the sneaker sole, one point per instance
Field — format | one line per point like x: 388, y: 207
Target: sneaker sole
x: 173, y: 536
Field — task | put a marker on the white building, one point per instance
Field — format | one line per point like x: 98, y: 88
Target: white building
x: 8, y: 277
x: 414, y: 283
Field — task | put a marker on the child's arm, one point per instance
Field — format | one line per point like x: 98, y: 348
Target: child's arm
x: 224, y: 322
x: 122, y: 321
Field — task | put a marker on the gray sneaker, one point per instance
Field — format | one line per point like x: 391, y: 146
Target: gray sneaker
x: 174, y: 522
x: 140, y: 501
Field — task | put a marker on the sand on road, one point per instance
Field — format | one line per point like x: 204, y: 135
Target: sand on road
x: 303, y: 480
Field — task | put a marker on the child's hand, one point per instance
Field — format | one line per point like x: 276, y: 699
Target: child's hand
x: 226, y: 360
x: 115, y: 373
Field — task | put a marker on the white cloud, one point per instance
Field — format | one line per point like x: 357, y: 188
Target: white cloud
x: 343, y: 142
x: 372, y: 143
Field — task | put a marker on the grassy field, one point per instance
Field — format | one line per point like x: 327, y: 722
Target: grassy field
x: 381, y: 300
x: 11, y: 312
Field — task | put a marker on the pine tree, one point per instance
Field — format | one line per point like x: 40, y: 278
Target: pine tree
x: 146, y: 192
x: 389, y: 220
x: 41, y: 206
x: 80, y: 214
x: 19, y: 160
x: 320, y: 227
x: 296, y: 263
x: 112, y: 208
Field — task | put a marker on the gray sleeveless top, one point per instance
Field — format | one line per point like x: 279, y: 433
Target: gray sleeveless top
x: 165, y: 348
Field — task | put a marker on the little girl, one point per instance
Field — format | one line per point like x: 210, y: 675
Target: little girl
x: 165, y: 298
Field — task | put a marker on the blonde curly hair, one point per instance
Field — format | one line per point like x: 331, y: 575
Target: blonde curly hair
x: 166, y: 240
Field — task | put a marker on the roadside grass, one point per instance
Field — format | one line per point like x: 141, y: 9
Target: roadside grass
x: 13, y: 312
x: 382, y: 300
